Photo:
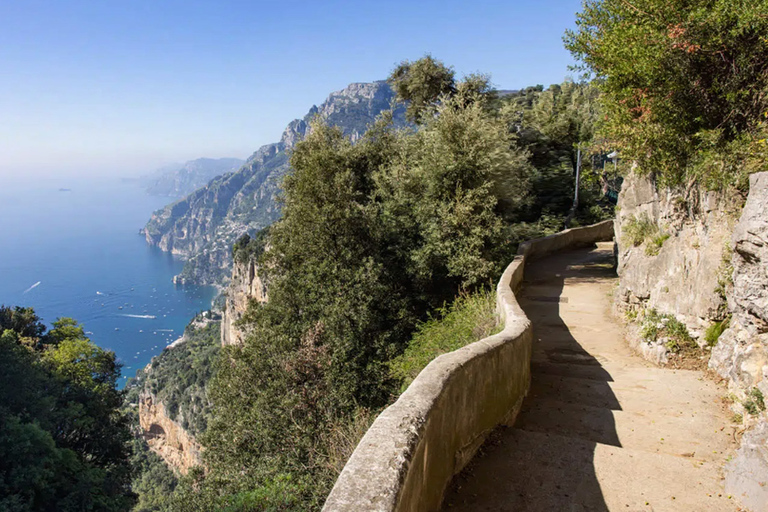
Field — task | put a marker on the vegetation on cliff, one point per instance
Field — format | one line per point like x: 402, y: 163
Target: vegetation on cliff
x: 374, y: 236
x: 64, y: 444
x: 179, y: 377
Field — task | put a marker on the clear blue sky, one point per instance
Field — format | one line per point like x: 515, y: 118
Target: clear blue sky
x: 124, y: 86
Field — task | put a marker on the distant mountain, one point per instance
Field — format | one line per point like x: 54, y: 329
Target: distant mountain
x: 203, y: 226
x: 178, y: 180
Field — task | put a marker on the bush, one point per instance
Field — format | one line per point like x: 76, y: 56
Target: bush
x: 684, y: 83
x: 642, y: 229
x: 714, y: 331
x: 755, y: 402
x: 663, y: 326
x: 468, y: 319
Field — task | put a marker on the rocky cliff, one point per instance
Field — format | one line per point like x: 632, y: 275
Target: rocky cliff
x: 180, y: 180
x: 171, y: 393
x: 245, y: 286
x: 671, y: 250
x: 166, y: 437
x: 741, y: 354
x: 202, y: 226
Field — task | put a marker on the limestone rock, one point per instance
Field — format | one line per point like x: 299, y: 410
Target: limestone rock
x: 682, y: 278
x: 166, y: 437
x: 741, y: 354
x: 750, y: 259
x: 246, y: 285
x: 746, y: 475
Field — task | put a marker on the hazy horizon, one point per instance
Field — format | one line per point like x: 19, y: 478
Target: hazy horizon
x: 97, y: 89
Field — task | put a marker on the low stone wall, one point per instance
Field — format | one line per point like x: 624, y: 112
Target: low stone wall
x: 414, y: 448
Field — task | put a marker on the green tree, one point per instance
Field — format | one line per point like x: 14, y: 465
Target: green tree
x: 421, y: 83
x: 684, y: 81
x: 373, y: 236
x: 63, y: 443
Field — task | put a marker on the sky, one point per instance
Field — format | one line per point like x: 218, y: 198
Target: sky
x: 122, y: 87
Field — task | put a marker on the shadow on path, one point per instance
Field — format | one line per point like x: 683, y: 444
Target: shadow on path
x: 546, y: 461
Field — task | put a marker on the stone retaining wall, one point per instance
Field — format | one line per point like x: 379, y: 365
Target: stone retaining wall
x: 414, y: 448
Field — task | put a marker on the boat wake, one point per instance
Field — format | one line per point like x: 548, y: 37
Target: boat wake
x: 32, y: 287
x: 139, y: 316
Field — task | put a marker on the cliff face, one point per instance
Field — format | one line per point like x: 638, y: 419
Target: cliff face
x: 202, y: 226
x: 246, y: 285
x: 166, y: 437
x: 741, y: 354
x: 681, y: 277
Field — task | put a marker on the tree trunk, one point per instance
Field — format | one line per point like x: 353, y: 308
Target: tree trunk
x: 572, y: 213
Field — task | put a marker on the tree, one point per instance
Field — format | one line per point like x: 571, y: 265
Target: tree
x: 421, y: 83
x: 63, y: 443
x: 373, y: 236
x: 684, y: 81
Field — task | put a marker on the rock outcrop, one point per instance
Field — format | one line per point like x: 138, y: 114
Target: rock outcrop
x: 166, y: 437
x: 741, y: 354
x: 203, y: 226
x: 678, y: 274
x: 245, y: 286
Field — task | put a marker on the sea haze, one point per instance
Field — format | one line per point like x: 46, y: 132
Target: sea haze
x: 72, y: 248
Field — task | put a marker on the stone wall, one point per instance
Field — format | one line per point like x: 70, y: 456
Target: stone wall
x: 741, y: 354
x: 414, y: 448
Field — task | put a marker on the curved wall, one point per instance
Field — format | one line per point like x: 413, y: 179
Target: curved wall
x: 414, y: 448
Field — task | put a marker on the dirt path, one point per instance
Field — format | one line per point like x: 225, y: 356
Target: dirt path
x: 601, y: 429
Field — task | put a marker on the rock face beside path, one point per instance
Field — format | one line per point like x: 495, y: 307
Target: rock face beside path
x: 741, y: 354
x: 681, y: 277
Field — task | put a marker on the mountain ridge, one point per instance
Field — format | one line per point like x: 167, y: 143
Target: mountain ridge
x: 179, y: 180
x: 202, y: 226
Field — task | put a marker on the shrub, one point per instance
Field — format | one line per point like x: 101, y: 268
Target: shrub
x: 659, y: 326
x: 639, y: 229
x: 683, y: 80
x: 755, y: 402
x: 715, y: 330
x: 653, y: 246
x: 469, y: 318
x: 642, y: 229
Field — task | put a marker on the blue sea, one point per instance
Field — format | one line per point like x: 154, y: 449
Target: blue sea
x: 71, y: 248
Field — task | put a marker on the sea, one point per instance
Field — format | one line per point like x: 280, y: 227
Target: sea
x: 72, y: 248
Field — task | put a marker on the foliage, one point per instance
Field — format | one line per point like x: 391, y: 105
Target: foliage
x: 469, y: 318
x: 551, y: 125
x: 154, y: 483
x: 658, y: 326
x: 653, y: 246
x: 247, y: 247
x: 421, y: 84
x: 642, y: 229
x: 714, y: 331
x: 376, y: 236
x: 63, y: 443
x: 684, y: 83
x: 179, y: 377
x: 755, y: 402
